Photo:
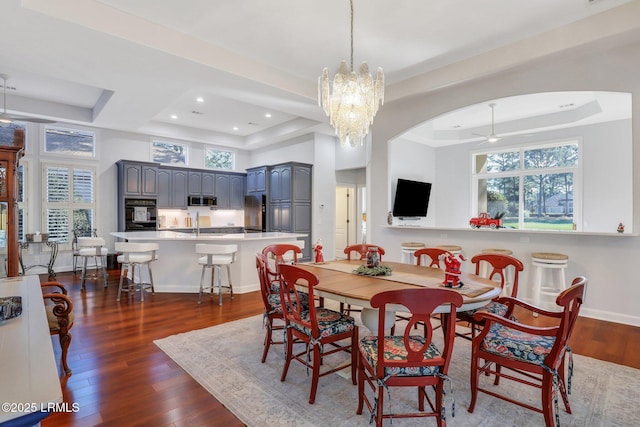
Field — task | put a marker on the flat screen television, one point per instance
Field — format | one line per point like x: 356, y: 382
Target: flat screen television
x: 412, y: 198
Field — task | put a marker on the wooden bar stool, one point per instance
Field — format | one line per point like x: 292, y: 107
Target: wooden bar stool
x: 454, y: 249
x: 548, y: 274
x: 214, y: 257
x: 93, y: 247
x: 136, y: 255
x: 408, y: 248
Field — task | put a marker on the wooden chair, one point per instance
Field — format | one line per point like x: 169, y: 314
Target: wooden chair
x: 280, y: 253
x: 536, y: 353
x: 407, y: 360
x: 362, y: 250
x: 59, y: 309
x: 319, y: 328
x: 434, y: 255
x: 272, y: 305
x: 499, y: 264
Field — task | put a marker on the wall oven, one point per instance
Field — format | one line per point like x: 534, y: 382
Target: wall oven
x: 140, y: 214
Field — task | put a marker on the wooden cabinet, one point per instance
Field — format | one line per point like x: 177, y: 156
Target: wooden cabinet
x: 164, y: 188
x: 138, y: 179
x: 9, y: 157
x: 201, y: 183
x: 172, y: 188
x: 257, y: 180
x: 229, y: 191
x: 290, y: 201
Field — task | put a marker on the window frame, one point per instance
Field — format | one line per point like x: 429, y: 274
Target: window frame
x: 152, y: 151
x: 521, y: 172
x: 79, y: 155
x: 233, y: 158
x: 70, y: 205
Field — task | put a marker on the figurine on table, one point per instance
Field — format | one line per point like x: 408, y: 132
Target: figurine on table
x: 452, y: 270
x: 319, y: 258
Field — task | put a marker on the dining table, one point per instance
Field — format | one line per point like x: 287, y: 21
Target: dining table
x: 339, y: 281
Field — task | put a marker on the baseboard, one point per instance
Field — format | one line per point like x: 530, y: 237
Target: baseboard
x: 610, y: 316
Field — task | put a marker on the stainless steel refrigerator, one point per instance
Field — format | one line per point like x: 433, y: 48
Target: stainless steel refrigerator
x: 255, y: 213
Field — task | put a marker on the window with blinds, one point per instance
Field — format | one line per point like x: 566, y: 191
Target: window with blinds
x: 69, y: 199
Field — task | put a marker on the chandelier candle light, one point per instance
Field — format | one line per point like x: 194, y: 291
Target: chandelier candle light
x: 352, y: 101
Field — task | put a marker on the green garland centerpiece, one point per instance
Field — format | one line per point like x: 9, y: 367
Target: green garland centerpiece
x: 380, y: 270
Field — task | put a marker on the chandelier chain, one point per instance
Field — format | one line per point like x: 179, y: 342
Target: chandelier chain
x: 351, y: 1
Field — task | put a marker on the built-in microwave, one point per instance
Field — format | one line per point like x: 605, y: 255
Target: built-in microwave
x: 203, y: 201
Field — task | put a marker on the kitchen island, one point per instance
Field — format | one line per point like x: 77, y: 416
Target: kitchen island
x: 177, y: 268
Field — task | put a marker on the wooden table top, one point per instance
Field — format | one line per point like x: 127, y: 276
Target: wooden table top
x: 339, y: 283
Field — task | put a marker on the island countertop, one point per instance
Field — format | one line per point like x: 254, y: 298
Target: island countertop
x: 134, y: 236
x: 177, y: 268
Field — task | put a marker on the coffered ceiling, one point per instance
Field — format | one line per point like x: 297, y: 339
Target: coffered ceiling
x: 140, y: 66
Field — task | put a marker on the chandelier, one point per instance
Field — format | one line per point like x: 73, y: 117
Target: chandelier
x: 352, y: 101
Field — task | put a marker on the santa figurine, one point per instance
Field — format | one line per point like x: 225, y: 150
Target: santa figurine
x: 452, y: 270
x: 318, y: 251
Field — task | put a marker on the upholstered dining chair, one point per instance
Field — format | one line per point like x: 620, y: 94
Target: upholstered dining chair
x: 537, y: 353
x: 406, y: 360
x: 499, y: 264
x: 362, y: 250
x: 321, y: 329
x: 431, y: 257
x: 273, y: 315
x: 59, y: 309
x: 280, y: 253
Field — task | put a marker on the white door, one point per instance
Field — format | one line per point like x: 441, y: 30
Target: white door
x: 345, y: 218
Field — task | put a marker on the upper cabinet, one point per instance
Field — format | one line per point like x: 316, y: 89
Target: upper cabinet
x: 229, y: 191
x: 172, y: 188
x: 201, y: 183
x: 257, y: 180
x: 138, y: 179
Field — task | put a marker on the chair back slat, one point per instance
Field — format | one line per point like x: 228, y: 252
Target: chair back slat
x: 435, y: 256
x: 499, y: 264
x: 362, y: 250
x: 291, y: 299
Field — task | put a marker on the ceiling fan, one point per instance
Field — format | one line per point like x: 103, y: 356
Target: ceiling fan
x: 492, y: 137
x: 6, y: 118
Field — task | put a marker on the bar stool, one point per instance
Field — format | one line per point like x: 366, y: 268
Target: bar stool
x: 408, y: 248
x: 215, y: 257
x: 552, y: 265
x: 136, y: 255
x: 454, y: 249
x: 92, y: 247
x: 509, y: 273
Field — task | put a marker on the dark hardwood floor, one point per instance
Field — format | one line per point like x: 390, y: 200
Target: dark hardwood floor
x: 121, y: 378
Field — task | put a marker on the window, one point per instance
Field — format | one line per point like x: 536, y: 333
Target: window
x: 69, y: 199
x: 73, y: 142
x: 7, y: 131
x: 219, y: 159
x: 170, y: 153
x: 532, y: 187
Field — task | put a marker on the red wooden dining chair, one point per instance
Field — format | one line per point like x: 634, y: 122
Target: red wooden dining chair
x: 280, y: 253
x: 407, y: 360
x: 362, y: 250
x: 319, y: 328
x: 433, y: 254
x: 499, y: 264
x: 532, y: 355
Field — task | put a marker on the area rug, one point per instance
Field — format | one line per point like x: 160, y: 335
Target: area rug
x: 225, y: 360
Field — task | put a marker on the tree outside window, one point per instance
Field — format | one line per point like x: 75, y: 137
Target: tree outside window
x: 169, y: 153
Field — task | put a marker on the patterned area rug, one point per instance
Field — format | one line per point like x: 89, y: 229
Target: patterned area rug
x: 225, y: 360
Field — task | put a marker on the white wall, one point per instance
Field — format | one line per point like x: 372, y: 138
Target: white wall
x: 607, y: 261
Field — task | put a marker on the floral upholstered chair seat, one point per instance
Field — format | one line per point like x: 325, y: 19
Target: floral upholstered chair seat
x: 276, y: 305
x: 493, y: 307
x: 394, y: 349
x: 517, y: 345
x: 330, y: 322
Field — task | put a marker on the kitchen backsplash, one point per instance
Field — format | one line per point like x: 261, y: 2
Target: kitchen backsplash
x: 186, y: 218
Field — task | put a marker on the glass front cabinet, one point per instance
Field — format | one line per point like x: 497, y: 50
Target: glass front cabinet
x: 9, y: 158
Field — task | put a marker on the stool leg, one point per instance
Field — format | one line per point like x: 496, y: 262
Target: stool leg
x: 122, y: 270
x: 217, y: 267
x: 201, y: 284
x: 153, y: 290
x: 103, y: 262
x: 229, y: 278
x: 84, y: 272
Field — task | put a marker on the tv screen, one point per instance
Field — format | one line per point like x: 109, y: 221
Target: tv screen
x: 412, y: 198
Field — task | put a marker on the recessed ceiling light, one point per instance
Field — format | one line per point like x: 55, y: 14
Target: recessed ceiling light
x: 200, y: 99
x: 236, y: 128
x: 268, y: 115
x: 173, y: 116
